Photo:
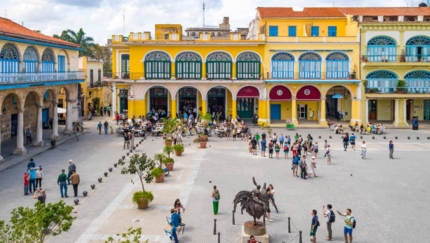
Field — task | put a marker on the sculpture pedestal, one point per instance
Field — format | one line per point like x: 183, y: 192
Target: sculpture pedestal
x: 258, y: 231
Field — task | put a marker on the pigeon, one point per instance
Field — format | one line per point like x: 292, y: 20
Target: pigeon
x: 210, y: 146
x: 210, y: 181
x: 132, y: 182
x: 152, y: 139
x: 189, y: 144
x: 351, y: 174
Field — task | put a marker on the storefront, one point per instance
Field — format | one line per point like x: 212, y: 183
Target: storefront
x: 280, y: 103
x: 246, y: 101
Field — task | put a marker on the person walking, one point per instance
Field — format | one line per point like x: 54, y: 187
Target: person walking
x: 61, y: 181
x: 99, y: 127
x: 345, y: 141
x: 33, y: 175
x: 312, y: 167
x: 349, y: 224
x: 391, y: 148
x: 72, y: 167
x: 295, y: 165
x: 363, y: 149
x: 314, y: 226
x: 271, y: 150
x: 277, y: 149
x: 108, y: 110
x: 257, y: 138
x: 286, y: 150
x: 329, y: 218
x: 271, y: 193
x: 126, y: 140
x: 117, y: 118
x: 325, y: 147
x: 106, y: 127
x: 28, y: 136
x: 328, y: 154
x: 303, y: 167
x: 39, y: 176
x: 101, y: 110
x: 315, y: 149
x: 26, y: 182
x: 174, y: 219
x: 75, y: 182
x: 352, y: 140
x: 215, y: 200
x: 31, y: 164
x: 263, y: 148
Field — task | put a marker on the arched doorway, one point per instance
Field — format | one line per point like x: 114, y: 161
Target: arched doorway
x: 187, y: 100
x: 308, y: 98
x: 280, y: 103
x: 159, y: 100
x: 12, y: 129
x: 339, y: 103
x: 246, y: 101
x: 218, y: 98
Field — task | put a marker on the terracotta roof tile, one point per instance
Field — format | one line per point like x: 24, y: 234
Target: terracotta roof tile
x: 387, y: 11
x: 306, y: 13
x: 10, y: 28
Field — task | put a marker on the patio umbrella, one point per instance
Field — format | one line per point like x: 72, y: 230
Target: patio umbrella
x: 337, y: 96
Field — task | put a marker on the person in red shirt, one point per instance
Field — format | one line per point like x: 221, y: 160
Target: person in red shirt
x: 26, y: 181
x: 117, y: 118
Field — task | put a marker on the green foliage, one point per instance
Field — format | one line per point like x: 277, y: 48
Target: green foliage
x: 168, y: 160
x: 205, y: 117
x: 132, y: 236
x: 79, y: 38
x: 159, y: 157
x: 36, y: 224
x: 178, y: 148
x: 157, y: 172
x: 170, y: 125
x: 144, y: 195
x: 103, y: 53
x: 200, y: 138
x: 168, y: 150
x: 141, y: 166
x: 401, y: 84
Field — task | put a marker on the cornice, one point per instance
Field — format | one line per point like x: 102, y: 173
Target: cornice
x: 396, y: 26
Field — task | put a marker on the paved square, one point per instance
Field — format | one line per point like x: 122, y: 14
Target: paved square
x: 388, y: 197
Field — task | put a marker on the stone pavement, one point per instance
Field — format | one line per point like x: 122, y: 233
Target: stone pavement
x: 388, y: 197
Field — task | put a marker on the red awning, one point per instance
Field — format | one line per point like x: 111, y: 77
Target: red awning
x: 280, y: 93
x: 248, y: 92
x: 308, y: 93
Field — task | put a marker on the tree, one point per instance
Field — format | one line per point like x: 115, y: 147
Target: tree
x: 103, y: 53
x: 134, y: 234
x: 140, y: 165
x: 36, y: 224
x: 79, y: 38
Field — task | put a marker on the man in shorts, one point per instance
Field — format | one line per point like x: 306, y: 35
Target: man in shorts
x: 295, y: 165
x: 352, y: 140
x: 349, y: 222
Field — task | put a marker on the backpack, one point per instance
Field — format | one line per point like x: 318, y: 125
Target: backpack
x: 354, y: 223
x: 217, y: 196
x: 285, y: 147
x: 332, y: 217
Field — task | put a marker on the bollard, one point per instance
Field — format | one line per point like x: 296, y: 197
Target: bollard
x: 219, y: 237
x: 214, y: 226
x: 300, y: 236
x: 233, y: 216
x: 289, y: 225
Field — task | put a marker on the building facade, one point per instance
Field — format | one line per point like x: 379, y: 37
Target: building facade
x: 38, y: 75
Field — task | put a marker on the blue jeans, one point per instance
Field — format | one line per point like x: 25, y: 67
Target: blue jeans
x: 345, y: 145
x: 32, y: 185
x: 63, y: 188
x: 175, y: 237
x: 106, y: 130
x: 25, y: 190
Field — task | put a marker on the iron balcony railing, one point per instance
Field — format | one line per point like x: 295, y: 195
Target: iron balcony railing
x: 22, y: 78
x: 396, y: 58
x: 396, y: 90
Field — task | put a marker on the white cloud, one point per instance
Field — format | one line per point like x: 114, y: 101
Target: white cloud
x: 102, y: 18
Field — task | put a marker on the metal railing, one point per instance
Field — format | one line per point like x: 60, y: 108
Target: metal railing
x: 396, y: 58
x: 403, y: 90
x: 21, y: 78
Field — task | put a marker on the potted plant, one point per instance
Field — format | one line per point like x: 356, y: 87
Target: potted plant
x: 401, y: 87
x: 179, y: 149
x: 169, y: 162
x: 142, y: 199
x: 142, y: 166
x: 168, y: 150
x: 168, y: 142
x: 158, y: 173
x: 202, y: 139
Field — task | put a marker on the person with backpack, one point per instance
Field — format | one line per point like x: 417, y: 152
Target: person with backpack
x: 349, y: 224
x: 281, y: 139
x: 303, y: 167
x: 352, y: 140
x: 277, y: 149
x: 330, y: 217
x: 286, y: 150
x: 215, y: 200
x: 345, y: 141
x: 314, y: 225
x: 295, y: 165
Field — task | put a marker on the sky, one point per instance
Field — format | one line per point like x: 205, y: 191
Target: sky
x: 101, y: 19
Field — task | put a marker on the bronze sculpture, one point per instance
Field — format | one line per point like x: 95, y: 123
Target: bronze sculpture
x: 255, y: 202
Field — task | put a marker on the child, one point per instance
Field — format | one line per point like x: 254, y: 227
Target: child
x: 286, y: 150
x: 26, y: 180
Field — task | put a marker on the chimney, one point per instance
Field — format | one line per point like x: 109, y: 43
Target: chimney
x: 226, y: 20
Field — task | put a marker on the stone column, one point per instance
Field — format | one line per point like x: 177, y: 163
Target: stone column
x: 268, y: 111
x: 54, y: 121
x: 114, y: 95
x: 355, y: 111
x: 173, y: 108
x: 294, y: 111
x: 400, y: 113
x: 204, y: 107
x: 234, y: 109
x: 323, y: 120
x: 20, y: 149
x: 69, y: 121
x: 39, y: 135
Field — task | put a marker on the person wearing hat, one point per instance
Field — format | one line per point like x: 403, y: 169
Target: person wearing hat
x: 313, y: 167
x: 62, y: 182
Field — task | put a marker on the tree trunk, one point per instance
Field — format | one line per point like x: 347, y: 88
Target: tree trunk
x: 141, y: 182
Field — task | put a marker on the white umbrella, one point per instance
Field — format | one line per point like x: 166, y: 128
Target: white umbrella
x: 61, y: 110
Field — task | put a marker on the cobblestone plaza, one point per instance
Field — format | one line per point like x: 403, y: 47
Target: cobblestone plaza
x: 387, y: 197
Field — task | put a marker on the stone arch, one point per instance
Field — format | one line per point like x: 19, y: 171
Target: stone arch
x: 187, y: 86
x: 38, y: 96
x: 53, y: 94
x: 233, y: 94
x: 28, y: 53
x: 16, y: 98
x: 310, y: 86
x: 147, y: 55
x: 260, y: 93
x: 66, y: 54
x: 323, y: 94
x: 19, y: 52
x: 158, y: 85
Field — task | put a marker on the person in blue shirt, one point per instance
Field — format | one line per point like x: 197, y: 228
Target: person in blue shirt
x: 175, y: 224
x: 32, y: 185
x: 314, y: 225
x: 31, y: 164
x: 263, y: 147
x: 281, y: 139
x: 352, y: 140
x: 391, y: 148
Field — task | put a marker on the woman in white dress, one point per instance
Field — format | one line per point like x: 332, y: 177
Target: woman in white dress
x: 312, y: 167
x: 363, y: 149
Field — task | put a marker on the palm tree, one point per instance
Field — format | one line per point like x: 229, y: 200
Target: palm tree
x: 78, y: 38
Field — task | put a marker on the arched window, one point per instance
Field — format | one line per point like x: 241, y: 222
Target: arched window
x: 282, y: 65
x: 219, y: 65
x: 418, y: 49
x: 381, y: 80
x: 48, y: 61
x: 310, y: 66
x: 381, y: 49
x: 9, y: 59
x: 31, y: 60
x: 418, y: 81
x: 188, y: 66
x: 248, y: 66
x: 337, y: 65
x: 157, y: 65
